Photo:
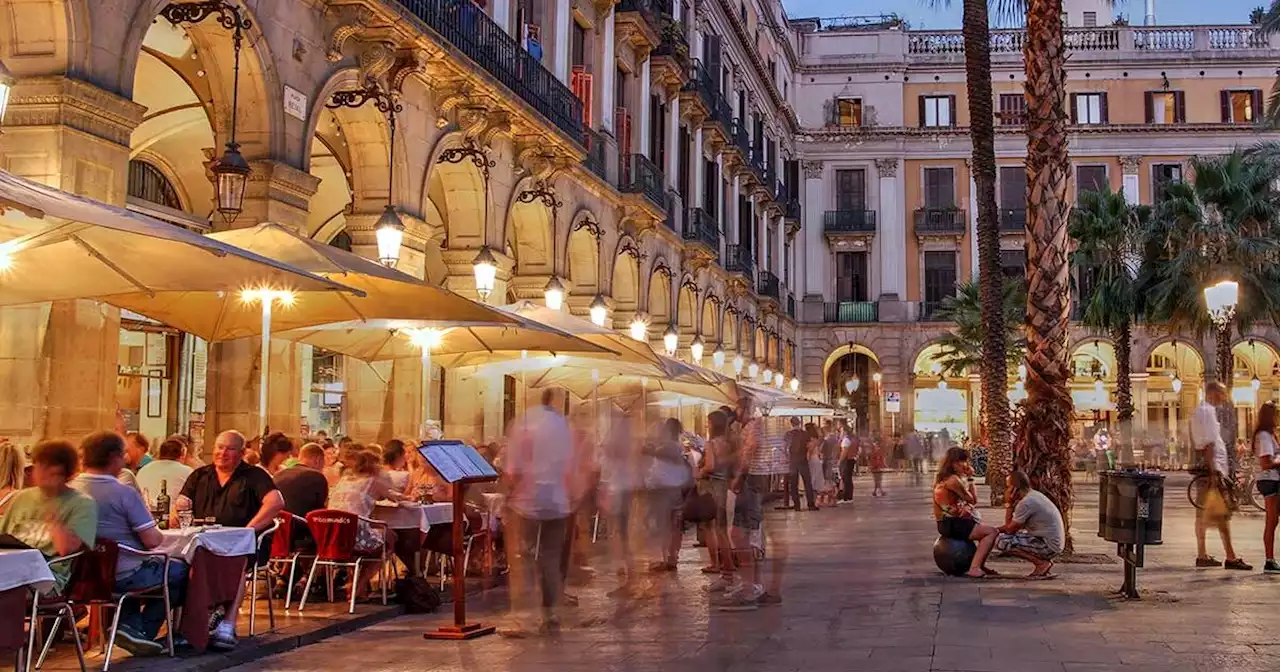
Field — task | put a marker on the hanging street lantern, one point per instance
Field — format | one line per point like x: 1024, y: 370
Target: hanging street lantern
x: 486, y: 270
x: 554, y: 293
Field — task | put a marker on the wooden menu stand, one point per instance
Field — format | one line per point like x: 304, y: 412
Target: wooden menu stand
x: 460, y: 465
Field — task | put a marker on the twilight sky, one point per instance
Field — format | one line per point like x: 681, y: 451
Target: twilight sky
x: 917, y: 12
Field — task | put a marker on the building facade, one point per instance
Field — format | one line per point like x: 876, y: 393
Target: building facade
x: 794, y: 191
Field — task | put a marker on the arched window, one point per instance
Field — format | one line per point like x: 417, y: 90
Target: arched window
x: 342, y: 241
x: 146, y: 182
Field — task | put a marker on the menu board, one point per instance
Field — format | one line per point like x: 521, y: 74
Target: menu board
x: 456, y: 461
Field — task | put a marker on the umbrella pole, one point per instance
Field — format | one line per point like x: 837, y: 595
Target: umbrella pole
x: 595, y: 400
x: 426, y: 393
x: 266, y: 366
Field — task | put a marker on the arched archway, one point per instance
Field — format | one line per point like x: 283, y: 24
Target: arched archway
x: 625, y: 288
x: 457, y: 200
x: 941, y: 397
x: 1175, y: 384
x: 729, y: 331
x: 851, y: 375
x: 659, y: 307
x: 583, y: 263
x: 710, y: 325
x: 687, y: 310
x: 531, y: 237
x: 1255, y: 380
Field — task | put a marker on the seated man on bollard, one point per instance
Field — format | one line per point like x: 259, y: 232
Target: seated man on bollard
x: 1033, y: 528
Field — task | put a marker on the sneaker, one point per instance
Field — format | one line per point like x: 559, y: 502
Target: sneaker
x: 769, y: 599
x: 1272, y: 567
x: 720, y: 585
x: 1208, y: 562
x: 132, y: 641
x: 1239, y: 564
x: 223, y: 637
x: 747, y: 599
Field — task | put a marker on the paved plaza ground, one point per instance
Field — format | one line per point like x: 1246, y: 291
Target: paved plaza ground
x: 862, y: 593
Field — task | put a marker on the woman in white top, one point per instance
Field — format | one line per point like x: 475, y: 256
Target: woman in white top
x: 357, y: 490
x: 1268, y: 481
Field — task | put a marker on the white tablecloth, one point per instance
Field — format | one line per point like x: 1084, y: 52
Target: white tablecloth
x: 223, y: 541
x: 26, y: 567
x: 408, y: 515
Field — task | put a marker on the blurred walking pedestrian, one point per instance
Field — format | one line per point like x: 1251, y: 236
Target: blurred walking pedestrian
x: 1214, y: 509
x: 797, y: 442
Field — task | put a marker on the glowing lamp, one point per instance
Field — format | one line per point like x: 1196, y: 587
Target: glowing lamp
x: 1221, y: 300
x: 230, y: 175
x: 486, y: 270
x: 695, y: 349
x: 670, y: 340
x: 599, y: 311
x: 738, y: 363
x: 390, y: 235
x: 795, y: 385
x: 1177, y: 384
x: 639, y: 330
x: 717, y: 357
x: 554, y: 293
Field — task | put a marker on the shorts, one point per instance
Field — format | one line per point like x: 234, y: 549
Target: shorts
x: 1025, y: 543
x: 1268, y: 488
x: 956, y: 528
x: 748, y: 510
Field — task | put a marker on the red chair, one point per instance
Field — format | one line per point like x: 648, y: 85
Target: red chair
x: 57, y: 608
x: 335, y: 534
x: 255, y: 573
x: 284, y: 549
x: 93, y: 585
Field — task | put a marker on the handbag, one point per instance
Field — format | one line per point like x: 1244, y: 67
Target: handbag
x: 1215, y: 504
x: 700, y: 505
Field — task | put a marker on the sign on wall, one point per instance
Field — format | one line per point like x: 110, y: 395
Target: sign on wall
x: 893, y: 402
x: 295, y: 103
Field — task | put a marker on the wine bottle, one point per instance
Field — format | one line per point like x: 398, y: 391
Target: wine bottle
x: 162, y: 506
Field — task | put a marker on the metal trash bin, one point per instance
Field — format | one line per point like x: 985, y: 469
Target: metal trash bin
x: 1135, y: 507
x: 1104, y: 488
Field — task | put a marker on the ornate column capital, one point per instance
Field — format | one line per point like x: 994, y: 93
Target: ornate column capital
x: 812, y: 169
x: 887, y: 167
x: 1130, y: 164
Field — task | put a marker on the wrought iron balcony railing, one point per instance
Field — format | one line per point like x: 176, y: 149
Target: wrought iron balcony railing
x: 653, y: 11
x: 1013, y: 219
x: 740, y: 259
x: 642, y: 176
x: 931, y: 311
x: 768, y: 285
x: 940, y: 220
x: 464, y: 25
x: 847, y: 312
x: 700, y: 82
x: 791, y: 306
x: 596, y: 161
x: 791, y: 209
x: 849, y: 221
x: 700, y: 227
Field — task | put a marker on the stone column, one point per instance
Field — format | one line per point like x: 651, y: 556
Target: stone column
x: 608, y: 70
x: 734, y: 235
x: 673, y: 142
x: 699, y: 170
x: 892, y: 236
x: 815, y: 248
x: 1131, y: 165
x: 60, y: 359
x: 645, y: 110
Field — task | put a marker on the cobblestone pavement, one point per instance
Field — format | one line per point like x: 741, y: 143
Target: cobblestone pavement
x: 861, y: 593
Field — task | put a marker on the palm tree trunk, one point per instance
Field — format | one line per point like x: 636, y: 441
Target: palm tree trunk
x: 994, y: 414
x: 1122, y: 336
x: 1042, y: 446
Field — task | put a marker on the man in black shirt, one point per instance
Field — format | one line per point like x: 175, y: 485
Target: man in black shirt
x: 797, y: 442
x: 234, y: 494
x: 304, y: 486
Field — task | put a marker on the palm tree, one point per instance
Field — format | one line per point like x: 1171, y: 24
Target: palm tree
x: 1107, y: 231
x: 1042, y: 445
x: 964, y: 347
x: 994, y: 414
x: 1223, y: 224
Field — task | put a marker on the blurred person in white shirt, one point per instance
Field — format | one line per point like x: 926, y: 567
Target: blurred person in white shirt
x: 168, y: 470
x: 1206, y: 439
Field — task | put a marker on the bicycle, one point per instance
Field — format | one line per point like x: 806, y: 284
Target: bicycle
x: 1243, y: 487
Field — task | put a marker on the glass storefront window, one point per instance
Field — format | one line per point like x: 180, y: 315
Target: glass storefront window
x: 324, y: 391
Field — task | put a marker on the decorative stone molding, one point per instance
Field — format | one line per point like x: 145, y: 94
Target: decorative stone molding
x: 413, y: 62
x: 348, y: 20
x: 376, y: 59
x: 1131, y: 164
x: 284, y: 183
x: 812, y: 169
x: 62, y: 101
x: 887, y: 167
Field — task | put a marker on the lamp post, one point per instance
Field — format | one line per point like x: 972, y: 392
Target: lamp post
x: 554, y: 293
x: 390, y: 228
x: 486, y: 270
x: 268, y: 298
x: 230, y: 171
x: 426, y: 339
x: 1221, y: 301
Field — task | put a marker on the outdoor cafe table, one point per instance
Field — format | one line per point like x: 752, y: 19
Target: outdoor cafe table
x: 409, y: 515
x: 217, y: 557
x: 21, y: 572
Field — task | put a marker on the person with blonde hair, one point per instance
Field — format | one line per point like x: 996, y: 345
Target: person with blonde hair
x: 357, y: 490
x: 13, y: 472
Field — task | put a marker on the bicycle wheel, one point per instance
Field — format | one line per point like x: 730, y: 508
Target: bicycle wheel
x: 1195, y: 487
x: 1255, y: 499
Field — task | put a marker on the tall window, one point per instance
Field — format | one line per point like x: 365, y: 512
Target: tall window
x: 1090, y: 19
x: 1166, y: 107
x: 936, y: 111
x: 1013, y: 264
x: 147, y: 183
x: 851, y: 276
x: 939, y: 277
x: 1163, y: 175
x: 851, y: 189
x: 939, y: 188
x: 1090, y: 178
x: 1241, y: 107
x: 1013, y: 188
x: 849, y: 112
x: 578, y: 45
x: 1013, y: 109
x: 1089, y: 108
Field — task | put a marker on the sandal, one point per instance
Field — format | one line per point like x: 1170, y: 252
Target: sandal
x: 711, y: 569
x: 990, y: 572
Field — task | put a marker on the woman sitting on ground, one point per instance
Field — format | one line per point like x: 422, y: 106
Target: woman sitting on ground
x: 954, y: 502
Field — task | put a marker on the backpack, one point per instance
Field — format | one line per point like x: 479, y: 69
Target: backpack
x: 417, y: 595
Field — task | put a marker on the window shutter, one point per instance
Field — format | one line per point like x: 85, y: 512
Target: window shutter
x: 580, y: 82
x: 1102, y: 105
x: 1226, y: 106
x: 920, y: 100
x: 1073, y: 108
x: 1257, y: 105
x: 1179, y: 107
x: 952, y: 101
x: 1149, y: 102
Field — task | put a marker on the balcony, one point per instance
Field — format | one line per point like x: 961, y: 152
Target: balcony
x: 768, y: 286
x: 1013, y: 220
x: 931, y: 311
x: 791, y: 210
x: 941, y: 222
x: 596, y: 161
x: 740, y: 260
x: 850, y: 312
x: 1125, y: 41
x: 701, y: 231
x: 849, y: 223
x: 468, y: 29
x: 669, y: 62
x: 739, y: 139
x: 721, y: 120
x: 639, y: 22
x: 791, y: 306
x: 641, y: 176
x: 699, y: 92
